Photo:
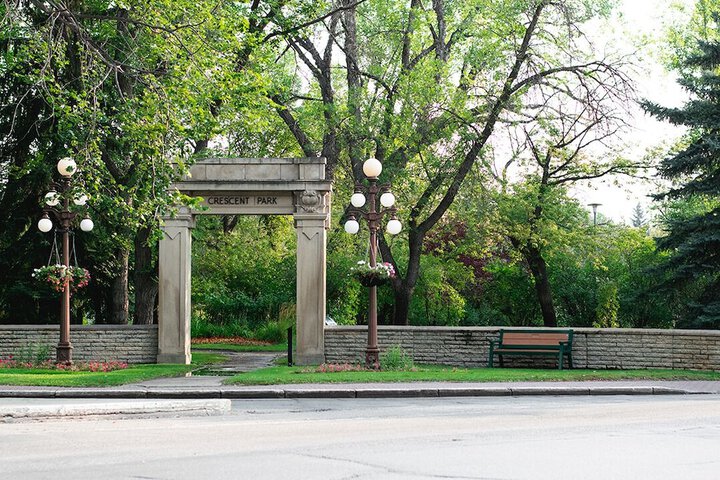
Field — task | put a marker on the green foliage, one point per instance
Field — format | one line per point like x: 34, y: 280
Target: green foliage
x: 33, y: 354
x: 607, y: 306
x: 201, y: 327
x: 275, y: 332
x: 396, y: 359
x: 438, y: 300
x: 692, y: 229
x: 128, y: 90
x: 192, y: 72
x: 244, y: 281
x: 507, y: 298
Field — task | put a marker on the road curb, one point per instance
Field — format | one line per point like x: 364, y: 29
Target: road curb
x: 136, y: 407
x: 370, y: 392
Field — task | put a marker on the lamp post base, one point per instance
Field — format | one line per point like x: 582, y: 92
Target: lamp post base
x: 64, y: 353
x: 372, y: 358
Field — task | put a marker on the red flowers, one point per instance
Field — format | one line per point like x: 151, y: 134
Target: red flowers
x: 57, y: 276
x: 10, y: 362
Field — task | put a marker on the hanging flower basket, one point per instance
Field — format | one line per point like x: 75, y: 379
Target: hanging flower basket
x: 372, y: 276
x: 57, y: 276
x: 370, y: 281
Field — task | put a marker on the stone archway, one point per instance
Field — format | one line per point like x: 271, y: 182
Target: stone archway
x: 252, y: 186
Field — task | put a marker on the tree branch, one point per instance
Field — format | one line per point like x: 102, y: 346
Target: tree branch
x: 497, y: 107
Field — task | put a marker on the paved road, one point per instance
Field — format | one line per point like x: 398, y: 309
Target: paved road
x: 666, y: 437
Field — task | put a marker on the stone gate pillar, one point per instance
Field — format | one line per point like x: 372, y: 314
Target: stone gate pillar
x: 174, y: 288
x: 311, y: 221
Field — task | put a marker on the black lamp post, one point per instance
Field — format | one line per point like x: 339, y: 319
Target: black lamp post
x: 57, y: 203
x: 372, y: 169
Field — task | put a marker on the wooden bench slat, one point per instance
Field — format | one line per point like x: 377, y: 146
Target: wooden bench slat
x: 518, y: 337
x: 532, y: 341
x: 534, y: 335
x: 510, y: 350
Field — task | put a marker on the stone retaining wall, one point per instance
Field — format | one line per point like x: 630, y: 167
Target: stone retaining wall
x: 127, y: 343
x: 592, y: 348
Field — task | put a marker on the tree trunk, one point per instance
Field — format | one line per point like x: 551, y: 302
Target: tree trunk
x: 542, y: 284
x: 119, y: 302
x: 403, y: 296
x: 403, y: 288
x: 146, y: 286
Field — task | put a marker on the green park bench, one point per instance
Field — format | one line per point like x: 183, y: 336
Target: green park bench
x: 556, y: 343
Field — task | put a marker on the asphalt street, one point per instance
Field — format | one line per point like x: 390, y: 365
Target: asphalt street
x: 623, y: 437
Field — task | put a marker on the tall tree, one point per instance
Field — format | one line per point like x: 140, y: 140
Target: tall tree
x: 638, y: 219
x: 126, y: 90
x: 569, y: 140
x: 426, y: 94
x: 693, y: 238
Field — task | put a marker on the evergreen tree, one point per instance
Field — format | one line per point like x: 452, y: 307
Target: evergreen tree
x: 638, y: 218
x: 694, y: 239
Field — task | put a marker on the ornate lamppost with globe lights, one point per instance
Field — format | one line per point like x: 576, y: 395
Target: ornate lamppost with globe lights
x: 57, y: 202
x: 369, y: 195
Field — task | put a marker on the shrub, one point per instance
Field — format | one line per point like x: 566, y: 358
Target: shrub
x: 32, y: 355
x: 395, y: 358
x: 200, y: 327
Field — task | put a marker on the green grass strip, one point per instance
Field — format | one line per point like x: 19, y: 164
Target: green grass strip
x: 132, y: 374
x: 288, y: 375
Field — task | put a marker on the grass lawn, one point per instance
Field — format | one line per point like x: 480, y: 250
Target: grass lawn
x: 276, y: 347
x: 285, y: 375
x: 132, y: 374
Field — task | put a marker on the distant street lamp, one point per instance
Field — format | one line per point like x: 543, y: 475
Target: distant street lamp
x: 368, y: 194
x: 57, y: 202
x: 594, y: 207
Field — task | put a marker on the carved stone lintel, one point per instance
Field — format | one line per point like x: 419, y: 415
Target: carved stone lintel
x: 310, y: 201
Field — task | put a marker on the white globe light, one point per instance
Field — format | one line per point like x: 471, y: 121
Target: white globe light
x: 44, y: 225
x: 357, y: 200
x: 387, y: 199
x: 67, y: 167
x: 86, y: 225
x: 372, y: 168
x: 52, y: 199
x: 393, y: 227
x: 352, y: 227
x: 80, y: 199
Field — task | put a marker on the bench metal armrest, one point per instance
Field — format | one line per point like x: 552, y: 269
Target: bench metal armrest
x: 493, y: 340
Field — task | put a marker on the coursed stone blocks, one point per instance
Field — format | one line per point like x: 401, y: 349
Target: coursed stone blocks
x: 592, y: 348
x: 127, y: 343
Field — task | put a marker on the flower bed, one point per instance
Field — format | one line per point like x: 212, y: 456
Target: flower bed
x: 10, y: 362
